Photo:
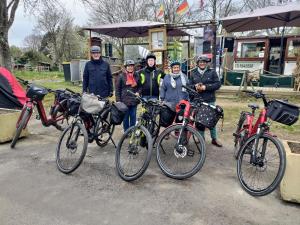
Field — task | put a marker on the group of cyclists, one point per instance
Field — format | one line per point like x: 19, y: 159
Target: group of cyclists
x: 151, y: 82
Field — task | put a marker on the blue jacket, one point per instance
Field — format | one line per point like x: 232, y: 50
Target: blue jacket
x: 170, y: 94
x: 97, y: 78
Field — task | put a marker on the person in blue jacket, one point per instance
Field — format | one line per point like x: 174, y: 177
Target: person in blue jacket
x: 97, y: 78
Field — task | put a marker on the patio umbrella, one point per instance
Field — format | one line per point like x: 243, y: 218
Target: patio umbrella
x: 264, y: 18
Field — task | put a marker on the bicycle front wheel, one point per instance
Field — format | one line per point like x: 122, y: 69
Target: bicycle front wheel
x: 180, y: 155
x: 71, y: 148
x: 240, y: 135
x: 133, y: 153
x: 262, y: 175
x: 25, y: 117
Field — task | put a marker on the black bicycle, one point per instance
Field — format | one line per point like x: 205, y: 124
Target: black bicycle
x: 85, y: 128
x: 134, y: 149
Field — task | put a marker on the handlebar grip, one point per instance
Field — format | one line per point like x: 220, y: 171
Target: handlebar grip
x: 69, y: 90
x: 190, y: 89
x: 130, y: 92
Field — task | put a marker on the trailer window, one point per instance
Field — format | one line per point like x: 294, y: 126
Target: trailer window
x: 251, y: 49
x: 294, y: 48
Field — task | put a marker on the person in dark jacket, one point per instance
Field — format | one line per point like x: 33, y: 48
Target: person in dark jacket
x: 128, y: 80
x: 97, y: 78
x: 206, y: 81
x: 171, y: 89
x: 150, y: 78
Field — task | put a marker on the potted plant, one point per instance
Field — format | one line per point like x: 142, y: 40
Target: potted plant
x: 290, y: 184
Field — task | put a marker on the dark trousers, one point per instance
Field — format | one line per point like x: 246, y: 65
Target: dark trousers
x: 130, y: 117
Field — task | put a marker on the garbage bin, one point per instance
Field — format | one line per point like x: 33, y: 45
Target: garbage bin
x: 67, y: 71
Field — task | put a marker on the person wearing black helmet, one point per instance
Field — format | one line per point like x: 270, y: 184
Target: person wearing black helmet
x: 206, y: 81
x: 150, y: 78
x: 128, y: 80
x: 97, y: 78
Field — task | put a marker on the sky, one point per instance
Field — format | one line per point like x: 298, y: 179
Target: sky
x: 24, y: 23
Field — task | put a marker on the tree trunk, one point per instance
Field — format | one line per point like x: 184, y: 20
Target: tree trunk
x: 5, y: 57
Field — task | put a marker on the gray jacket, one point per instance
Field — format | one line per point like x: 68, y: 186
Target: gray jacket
x: 170, y: 94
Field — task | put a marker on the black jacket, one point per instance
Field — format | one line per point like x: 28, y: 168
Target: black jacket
x: 97, y: 78
x: 121, y: 89
x: 150, y: 81
x: 210, y: 79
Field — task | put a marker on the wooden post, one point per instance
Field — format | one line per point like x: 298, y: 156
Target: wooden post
x: 90, y: 44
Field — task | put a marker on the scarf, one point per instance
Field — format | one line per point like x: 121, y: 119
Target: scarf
x: 202, y: 71
x: 130, y: 79
x: 175, y: 76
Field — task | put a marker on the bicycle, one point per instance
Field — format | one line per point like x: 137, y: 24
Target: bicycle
x: 134, y: 149
x: 84, y: 129
x: 182, y: 159
x: 260, y: 155
x: 35, y: 95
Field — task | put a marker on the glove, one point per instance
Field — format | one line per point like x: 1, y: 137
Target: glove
x: 111, y: 94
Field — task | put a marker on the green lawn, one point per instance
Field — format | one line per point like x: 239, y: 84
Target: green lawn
x: 32, y: 75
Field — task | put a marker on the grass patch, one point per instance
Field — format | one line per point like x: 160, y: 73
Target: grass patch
x: 33, y: 75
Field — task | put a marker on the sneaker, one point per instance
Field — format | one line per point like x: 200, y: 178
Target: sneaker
x: 216, y: 143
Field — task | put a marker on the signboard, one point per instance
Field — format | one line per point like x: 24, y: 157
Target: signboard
x: 158, y: 39
x: 251, y: 66
x: 289, y: 67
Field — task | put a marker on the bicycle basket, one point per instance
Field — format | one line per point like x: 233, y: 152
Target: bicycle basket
x: 208, y: 115
x: 167, y: 115
x: 73, y: 105
x: 282, y: 112
x: 118, y: 111
x: 91, y: 104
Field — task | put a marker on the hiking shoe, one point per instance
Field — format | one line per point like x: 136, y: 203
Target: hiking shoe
x: 216, y: 143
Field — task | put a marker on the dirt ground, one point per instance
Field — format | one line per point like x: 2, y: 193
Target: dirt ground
x: 33, y: 191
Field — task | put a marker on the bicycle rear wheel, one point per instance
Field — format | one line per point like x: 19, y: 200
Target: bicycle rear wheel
x: 103, y: 132
x: 25, y: 117
x: 71, y: 148
x: 133, y: 153
x: 184, y: 159
x: 261, y: 176
x: 240, y: 135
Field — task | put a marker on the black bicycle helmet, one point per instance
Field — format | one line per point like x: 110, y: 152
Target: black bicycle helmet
x: 150, y: 56
x: 203, y: 58
x: 175, y: 62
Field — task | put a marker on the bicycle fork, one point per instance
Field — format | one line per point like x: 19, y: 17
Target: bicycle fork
x: 260, y: 131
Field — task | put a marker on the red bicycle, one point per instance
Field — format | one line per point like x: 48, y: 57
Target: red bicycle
x: 260, y: 155
x: 35, y: 95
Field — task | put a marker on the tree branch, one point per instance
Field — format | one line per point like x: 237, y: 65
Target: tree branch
x: 13, y: 13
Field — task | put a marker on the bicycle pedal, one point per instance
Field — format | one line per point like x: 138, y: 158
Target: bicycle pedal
x: 38, y: 117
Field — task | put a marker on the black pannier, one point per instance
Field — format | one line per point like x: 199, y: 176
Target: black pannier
x: 62, y: 97
x: 208, y: 115
x: 73, y: 105
x: 118, y: 111
x: 282, y: 112
x: 167, y: 115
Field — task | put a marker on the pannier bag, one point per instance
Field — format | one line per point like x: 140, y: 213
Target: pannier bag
x: 167, y: 115
x: 73, y: 104
x: 208, y: 115
x: 282, y: 112
x: 62, y: 98
x: 118, y: 111
x: 91, y: 104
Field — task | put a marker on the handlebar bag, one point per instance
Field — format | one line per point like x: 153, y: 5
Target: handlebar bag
x: 91, y: 104
x: 282, y: 112
x: 167, y: 115
x: 118, y: 111
x: 208, y: 115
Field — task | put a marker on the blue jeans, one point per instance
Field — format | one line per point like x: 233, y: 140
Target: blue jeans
x: 213, y: 131
x: 130, y: 117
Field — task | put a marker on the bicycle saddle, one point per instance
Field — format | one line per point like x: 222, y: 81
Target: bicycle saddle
x: 253, y: 106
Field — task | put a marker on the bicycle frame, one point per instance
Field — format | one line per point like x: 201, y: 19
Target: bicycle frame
x: 252, y: 129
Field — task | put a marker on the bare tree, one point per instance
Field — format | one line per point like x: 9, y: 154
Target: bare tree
x: 33, y: 42
x: 8, y: 10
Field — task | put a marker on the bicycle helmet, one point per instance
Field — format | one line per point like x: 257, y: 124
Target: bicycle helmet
x: 129, y: 62
x: 95, y: 49
x: 150, y: 56
x: 175, y: 62
x: 203, y: 58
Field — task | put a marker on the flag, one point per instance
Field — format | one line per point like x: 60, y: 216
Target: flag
x: 160, y: 13
x: 183, y: 7
x: 143, y: 52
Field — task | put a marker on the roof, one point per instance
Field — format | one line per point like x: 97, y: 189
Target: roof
x: 137, y: 28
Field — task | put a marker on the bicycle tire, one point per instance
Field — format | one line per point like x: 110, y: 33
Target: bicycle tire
x: 202, y: 152
x: 146, y: 161
x: 279, y: 175
x: 77, y: 163
x: 20, y: 127
x: 99, y: 141
x: 238, y: 141
x: 54, y: 115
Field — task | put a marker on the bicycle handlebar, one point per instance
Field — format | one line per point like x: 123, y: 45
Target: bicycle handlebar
x: 69, y: 90
x: 25, y: 82
x: 257, y: 95
x: 147, y: 102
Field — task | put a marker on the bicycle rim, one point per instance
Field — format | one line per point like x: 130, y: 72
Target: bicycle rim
x: 263, y: 176
x: 71, y: 148
x: 133, y: 153
x: 184, y: 159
